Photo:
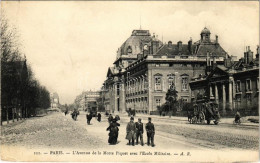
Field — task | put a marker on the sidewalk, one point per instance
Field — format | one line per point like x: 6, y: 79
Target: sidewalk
x: 222, y: 120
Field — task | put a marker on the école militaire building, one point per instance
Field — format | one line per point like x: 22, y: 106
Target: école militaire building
x: 145, y: 68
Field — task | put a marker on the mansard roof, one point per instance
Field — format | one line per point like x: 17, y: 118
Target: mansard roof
x: 195, y: 49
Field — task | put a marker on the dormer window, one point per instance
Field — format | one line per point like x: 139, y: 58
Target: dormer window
x: 129, y: 50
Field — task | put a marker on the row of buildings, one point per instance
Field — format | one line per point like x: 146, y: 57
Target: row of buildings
x: 87, y: 100
x: 145, y: 69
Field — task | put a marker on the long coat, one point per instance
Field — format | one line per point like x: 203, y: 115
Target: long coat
x: 130, y: 130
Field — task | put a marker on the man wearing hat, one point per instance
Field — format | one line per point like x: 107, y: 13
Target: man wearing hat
x: 150, y: 131
x: 139, y: 131
x: 130, y: 131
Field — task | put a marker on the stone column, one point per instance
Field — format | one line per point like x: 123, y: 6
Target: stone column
x: 230, y: 92
x: 150, y: 89
x: 122, y: 97
x: 115, y: 93
x: 210, y: 92
x: 224, y: 97
x: 216, y: 93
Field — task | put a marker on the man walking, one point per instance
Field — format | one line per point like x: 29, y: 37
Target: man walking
x: 139, y: 131
x: 130, y: 131
x: 150, y: 132
x: 99, y: 117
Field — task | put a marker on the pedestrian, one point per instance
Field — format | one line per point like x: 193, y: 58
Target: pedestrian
x: 113, y: 132
x: 139, y: 131
x: 130, y: 132
x: 117, y: 117
x: 99, y: 117
x: 89, y: 117
x: 110, y: 118
x: 150, y: 132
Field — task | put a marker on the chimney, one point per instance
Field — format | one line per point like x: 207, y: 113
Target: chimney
x: 179, y: 44
x: 208, y: 59
x: 257, y: 53
x: 155, y: 46
x: 227, y: 62
x: 216, y: 39
x: 169, y: 43
x: 248, y: 55
x: 189, y: 45
x: 214, y: 62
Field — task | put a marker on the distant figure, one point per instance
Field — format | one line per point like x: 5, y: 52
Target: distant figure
x: 110, y: 118
x: 139, y: 131
x: 75, y: 114
x: 150, y: 132
x: 130, y: 131
x: 89, y: 117
x: 99, y: 117
x: 117, y: 118
x: 66, y: 112
x: 113, y: 134
x: 237, y: 117
x: 107, y: 114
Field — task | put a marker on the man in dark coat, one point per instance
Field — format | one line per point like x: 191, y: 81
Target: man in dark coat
x: 113, y: 134
x: 150, y: 131
x: 89, y: 117
x: 130, y: 131
x: 99, y: 117
x: 139, y: 131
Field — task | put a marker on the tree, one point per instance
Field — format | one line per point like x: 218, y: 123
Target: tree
x: 171, y: 100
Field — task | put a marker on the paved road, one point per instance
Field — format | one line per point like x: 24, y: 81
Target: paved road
x: 173, y: 136
x: 177, y: 133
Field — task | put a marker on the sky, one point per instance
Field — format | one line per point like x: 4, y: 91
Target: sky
x: 71, y: 44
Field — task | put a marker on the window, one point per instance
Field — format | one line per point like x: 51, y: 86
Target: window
x: 171, y: 81
x: 248, y: 98
x: 158, y: 102
x: 118, y: 88
x: 184, y: 65
x: 238, y: 86
x: 157, y: 65
x: 158, y: 83
x: 129, y: 50
x: 184, y: 99
x: 184, y: 83
x: 248, y: 85
x: 238, y: 101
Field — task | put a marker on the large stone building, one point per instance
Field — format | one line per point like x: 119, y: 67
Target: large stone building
x: 234, y: 85
x: 145, y: 68
x: 55, y: 102
x: 87, y: 100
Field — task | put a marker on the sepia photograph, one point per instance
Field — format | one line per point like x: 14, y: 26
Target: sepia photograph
x: 129, y: 81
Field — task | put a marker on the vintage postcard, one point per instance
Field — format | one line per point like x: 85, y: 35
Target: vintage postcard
x: 130, y: 81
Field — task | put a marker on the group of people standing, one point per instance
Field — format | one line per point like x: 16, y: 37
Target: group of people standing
x: 134, y: 131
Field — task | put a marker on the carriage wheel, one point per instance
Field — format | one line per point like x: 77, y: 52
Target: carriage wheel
x: 202, y: 117
x: 216, y: 122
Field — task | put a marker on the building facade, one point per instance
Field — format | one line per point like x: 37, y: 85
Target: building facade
x: 87, y: 100
x: 145, y: 68
x: 54, y: 100
x: 234, y: 85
